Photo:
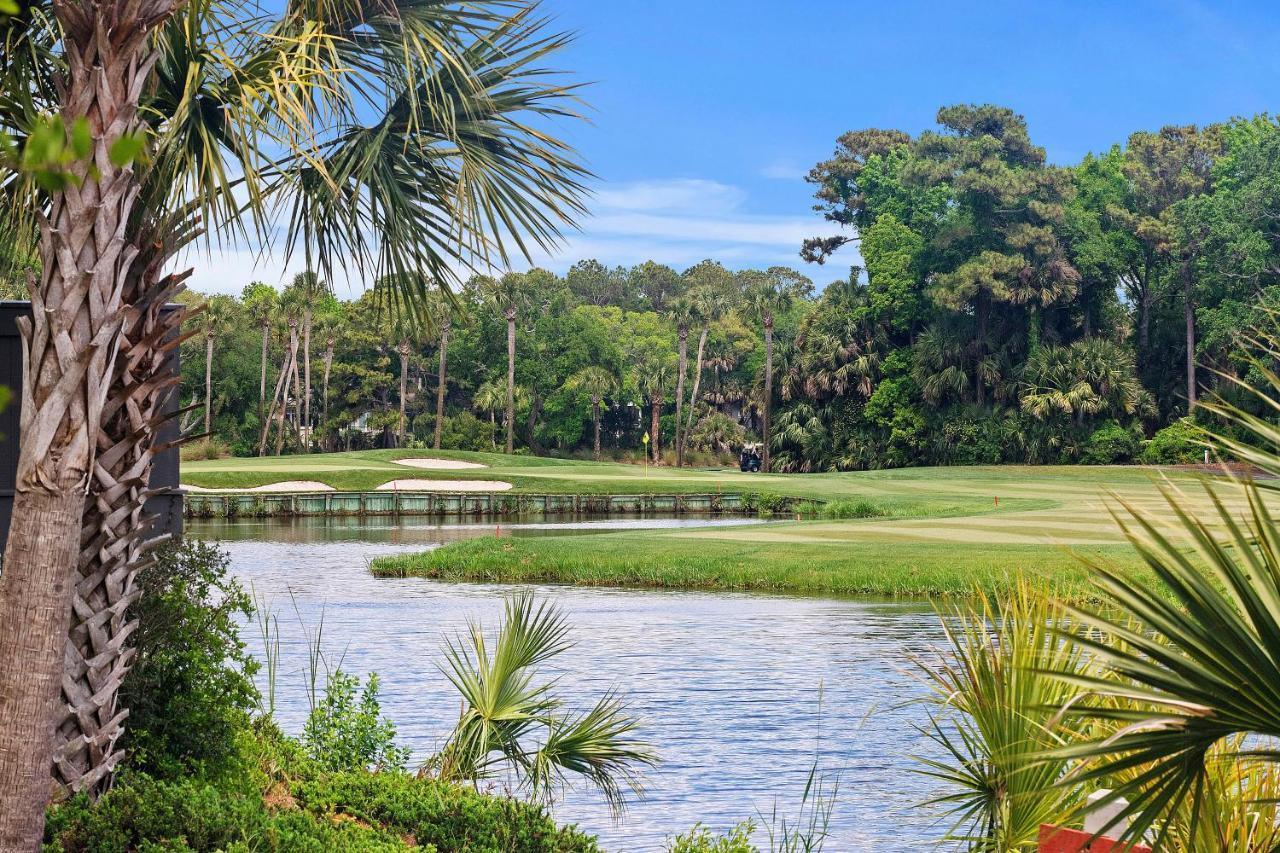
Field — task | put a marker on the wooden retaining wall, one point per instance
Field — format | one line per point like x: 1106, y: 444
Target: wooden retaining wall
x: 459, y: 504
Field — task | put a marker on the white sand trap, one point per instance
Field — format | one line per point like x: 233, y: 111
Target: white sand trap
x: 444, y: 486
x: 286, y: 486
x: 439, y: 464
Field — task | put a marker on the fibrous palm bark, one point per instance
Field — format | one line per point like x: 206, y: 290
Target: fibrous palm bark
x: 510, y: 313
x: 70, y: 346
x: 116, y: 537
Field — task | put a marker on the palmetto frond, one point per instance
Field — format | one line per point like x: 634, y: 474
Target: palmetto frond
x: 506, y: 707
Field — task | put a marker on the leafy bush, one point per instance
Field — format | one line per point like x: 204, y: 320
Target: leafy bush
x: 765, y: 503
x: 1178, y: 443
x: 851, y: 509
x: 1110, y: 444
x: 191, y: 686
x: 283, y: 801
x: 700, y: 839
x: 465, y: 431
x: 343, y: 735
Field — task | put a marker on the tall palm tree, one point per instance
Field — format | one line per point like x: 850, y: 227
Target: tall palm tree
x: 215, y: 320
x: 683, y: 311
x: 710, y: 287
x: 597, y: 383
x: 329, y: 325
x: 262, y: 302
x: 765, y: 298
x: 509, y: 294
x: 290, y: 121
x: 490, y: 397
x: 440, y: 309
x: 310, y: 290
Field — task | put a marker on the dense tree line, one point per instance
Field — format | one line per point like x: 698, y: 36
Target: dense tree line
x: 1005, y: 310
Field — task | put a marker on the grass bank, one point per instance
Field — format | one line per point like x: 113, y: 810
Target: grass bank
x: 915, y: 569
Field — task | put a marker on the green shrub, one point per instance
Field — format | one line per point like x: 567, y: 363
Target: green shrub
x: 1177, y: 444
x: 464, y: 431
x: 343, y: 735
x: 1110, y: 444
x: 700, y: 839
x: 765, y: 503
x: 451, y: 817
x: 851, y: 509
x: 191, y: 686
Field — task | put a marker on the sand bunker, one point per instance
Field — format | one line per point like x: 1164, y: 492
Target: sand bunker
x: 286, y: 486
x: 444, y: 486
x: 439, y: 464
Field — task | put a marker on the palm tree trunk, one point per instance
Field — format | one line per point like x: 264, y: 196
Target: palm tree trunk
x: 595, y: 418
x: 768, y: 391
x: 1189, y: 315
x: 328, y: 368
x: 655, y: 422
x: 697, y: 380
x: 275, y: 402
x: 208, y: 381
x: 116, y: 533
x: 444, y: 358
x: 683, y: 366
x: 297, y: 390
x: 68, y: 348
x: 511, y: 379
x: 262, y: 378
x: 404, y: 379
x: 306, y: 370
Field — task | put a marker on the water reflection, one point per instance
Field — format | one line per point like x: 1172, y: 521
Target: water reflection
x: 727, y: 684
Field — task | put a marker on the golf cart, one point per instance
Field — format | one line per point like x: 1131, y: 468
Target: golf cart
x: 749, y: 458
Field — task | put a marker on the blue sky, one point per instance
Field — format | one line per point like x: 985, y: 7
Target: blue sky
x: 705, y: 114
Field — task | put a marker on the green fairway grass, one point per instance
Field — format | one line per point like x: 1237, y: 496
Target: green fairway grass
x: 936, y: 531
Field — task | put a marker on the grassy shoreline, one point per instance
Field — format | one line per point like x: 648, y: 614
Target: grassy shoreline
x: 879, y: 569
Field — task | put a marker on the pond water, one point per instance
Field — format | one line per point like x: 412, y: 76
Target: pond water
x: 737, y: 693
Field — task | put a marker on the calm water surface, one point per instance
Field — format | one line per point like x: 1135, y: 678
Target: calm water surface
x: 735, y: 691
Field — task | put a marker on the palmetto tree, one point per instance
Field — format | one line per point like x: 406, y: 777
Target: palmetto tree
x: 508, y: 294
x: 262, y: 303
x: 1089, y: 377
x: 215, y: 319
x: 684, y: 312
x: 386, y: 138
x: 490, y: 397
x: 710, y: 293
x: 310, y: 291
x: 329, y: 326
x: 765, y: 296
x: 511, y: 720
x: 441, y: 308
x: 597, y: 383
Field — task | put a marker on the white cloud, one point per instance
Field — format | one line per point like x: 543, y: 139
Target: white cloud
x: 677, y: 221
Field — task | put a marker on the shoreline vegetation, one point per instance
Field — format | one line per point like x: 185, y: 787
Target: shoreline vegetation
x: 890, y: 533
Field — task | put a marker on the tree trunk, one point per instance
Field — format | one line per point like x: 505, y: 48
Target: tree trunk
x: 297, y: 390
x: 36, y: 588
x: 262, y: 379
x: 683, y: 366
x: 404, y: 379
x: 655, y: 404
x: 290, y: 370
x: 697, y: 380
x: 595, y: 419
x: 306, y: 371
x: 116, y: 532
x: 328, y: 368
x: 208, y: 381
x: 511, y: 378
x: 276, y: 401
x: 440, y: 387
x: 69, y: 346
x: 768, y: 390
x: 1189, y: 314
x: 1144, y: 317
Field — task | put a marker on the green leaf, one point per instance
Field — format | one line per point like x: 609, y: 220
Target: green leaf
x: 125, y: 149
x: 81, y: 138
